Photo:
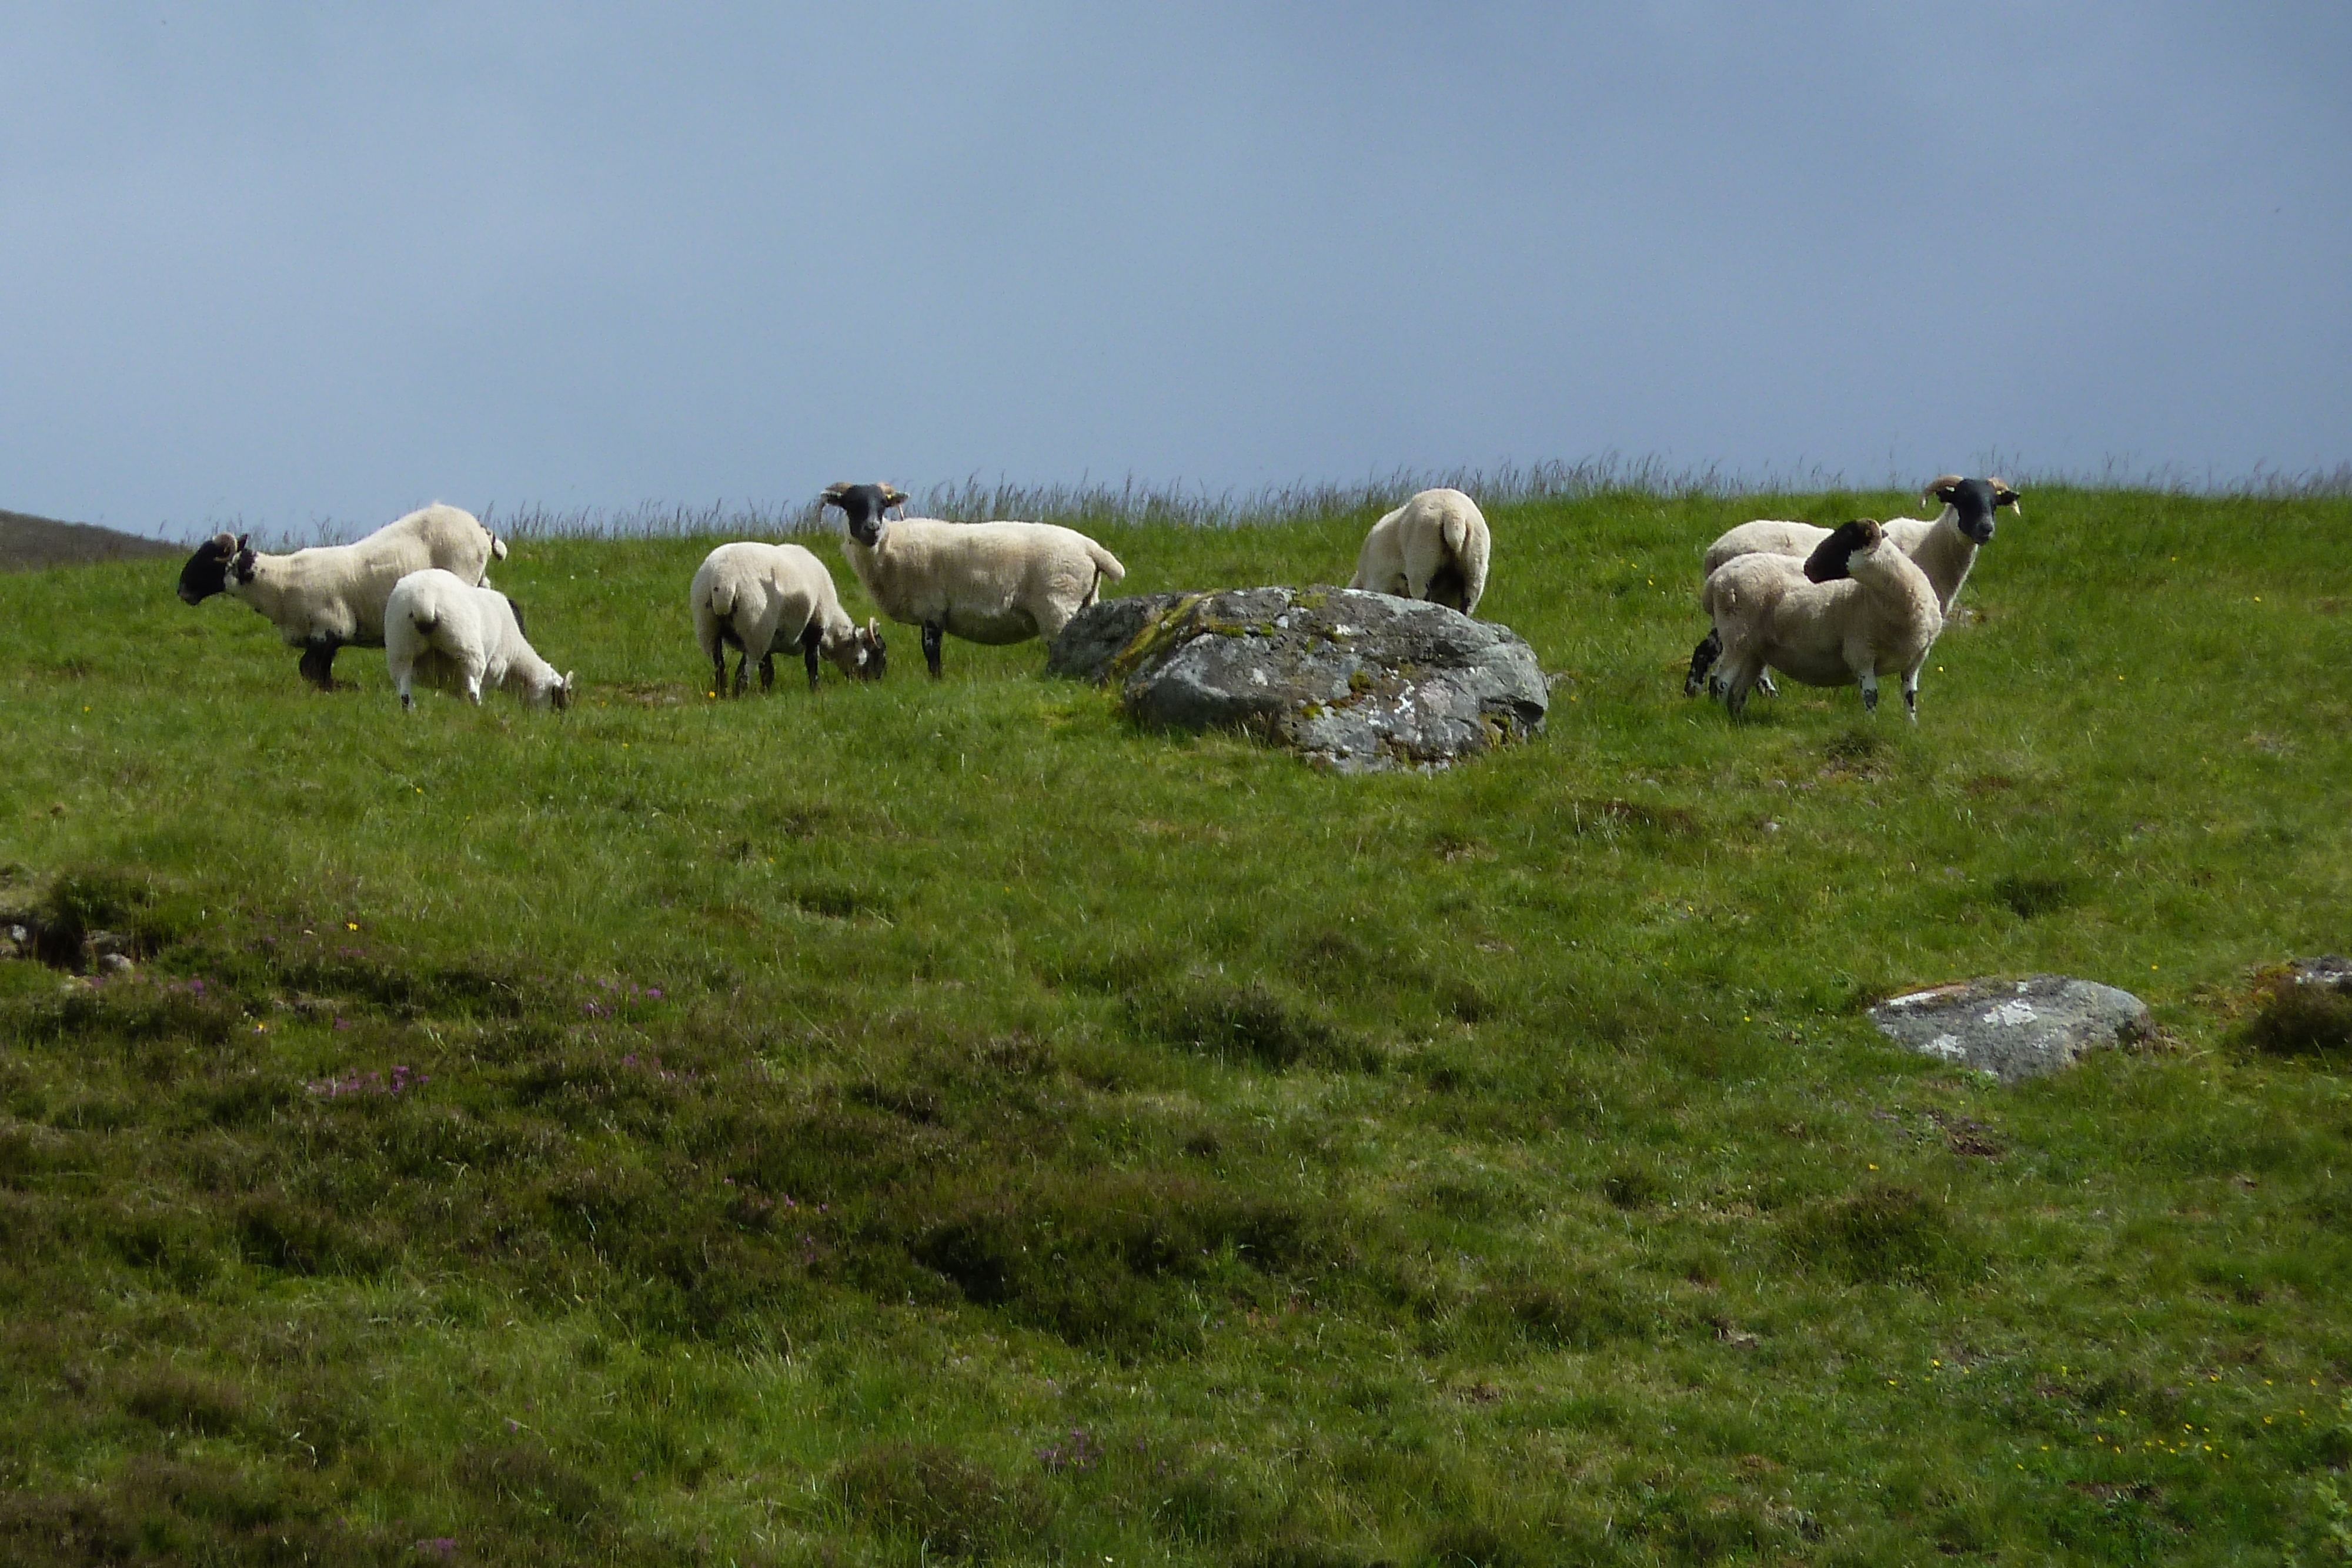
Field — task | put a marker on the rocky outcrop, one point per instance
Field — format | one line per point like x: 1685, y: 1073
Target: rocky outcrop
x: 2013, y: 1030
x: 1353, y: 681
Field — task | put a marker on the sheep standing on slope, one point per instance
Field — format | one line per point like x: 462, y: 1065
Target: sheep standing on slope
x: 985, y: 582
x: 329, y: 596
x: 1434, y: 547
x: 757, y: 598
x: 448, y: 634
x: 1858, y: 607
x: 1944, y: 547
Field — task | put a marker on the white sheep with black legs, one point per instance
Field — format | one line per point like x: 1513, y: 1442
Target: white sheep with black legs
x: 1434, y: 547
x: 1856, y: 608
x: 332, y: 596
x: 984, y: 582
x: 447, y: 632
x: 1945, y: 545
x: 757, y: 598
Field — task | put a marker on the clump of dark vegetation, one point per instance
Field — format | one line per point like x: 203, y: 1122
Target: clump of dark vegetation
x: 2294, y: 1019
x: 936, y: 1500
x: 1886, y: 1233
x: 2030, y: 894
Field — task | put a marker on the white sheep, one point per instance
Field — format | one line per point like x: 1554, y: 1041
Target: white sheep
x: 985, y: 582
x: 448, y: 634
x: 1858, y: 607
x: 1945, y: 545
x: 758, y: 598
x: 1434, y: 547
x: 328, y: 596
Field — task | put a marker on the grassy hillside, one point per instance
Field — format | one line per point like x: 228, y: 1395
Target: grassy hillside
x: 935, y: 1120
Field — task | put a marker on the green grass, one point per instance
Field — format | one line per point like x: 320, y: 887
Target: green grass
x: 936, y: 1120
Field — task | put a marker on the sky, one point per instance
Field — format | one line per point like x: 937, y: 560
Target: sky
x: 293, y: 266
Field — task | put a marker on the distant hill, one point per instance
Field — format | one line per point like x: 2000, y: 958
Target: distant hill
x: 27, y: 543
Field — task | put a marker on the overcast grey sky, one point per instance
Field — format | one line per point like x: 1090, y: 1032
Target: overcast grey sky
x: 287, y: 263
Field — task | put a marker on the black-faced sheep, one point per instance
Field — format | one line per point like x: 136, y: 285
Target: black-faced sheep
x: 331, y: 596
x: 985, y: 582
x: 1434, y: 547
x: 1858, y: 607
x: 1945, y: 545
x: 451, y: 635
x: 758, y: 598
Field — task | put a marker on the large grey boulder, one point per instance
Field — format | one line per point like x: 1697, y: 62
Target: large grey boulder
x: 1354, y: 681
x: 2013, y: 1030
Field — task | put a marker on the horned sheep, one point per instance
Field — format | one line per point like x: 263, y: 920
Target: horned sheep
x: 1945, y: 545
x: 1434, y: 547
x: 449, y: 634
x: 1857, y: 608
x: 985, y: 582
x: 757, y: 598
x: 331, y: 596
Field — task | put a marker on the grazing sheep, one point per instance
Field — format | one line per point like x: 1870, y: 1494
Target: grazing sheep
x: 757, y: 598
x: 1434, y: 547
x: 1857, y: 607
x: 328, y: 596
x: 1944, y: 547
x: 985, y: 582
x: 448, y: 634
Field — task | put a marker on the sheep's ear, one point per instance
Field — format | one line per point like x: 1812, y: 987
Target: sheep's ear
x: 2003, y: 496
x: 241, y: 539
x: 893, y: 496
x: 832, y: 495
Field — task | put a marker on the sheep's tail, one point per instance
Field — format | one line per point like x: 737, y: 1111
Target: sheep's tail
x: 1105, y: 564
x: 497, y: 547
x: 721, y: 602
x: 1455, y: 531
x: 428, y: 625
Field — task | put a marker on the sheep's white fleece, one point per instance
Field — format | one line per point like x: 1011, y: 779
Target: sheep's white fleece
x: 984, y: 582
x: 1882, y: 618
x: 1434, y: 547
x: 763, y: 597
x: 336, y: 593
x: 450, y: 635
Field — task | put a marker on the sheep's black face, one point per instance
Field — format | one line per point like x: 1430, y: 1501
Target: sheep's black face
x: 1976, y: 500
x: 207, y: 571
x: 862, y: 507
x: 1829, y: 561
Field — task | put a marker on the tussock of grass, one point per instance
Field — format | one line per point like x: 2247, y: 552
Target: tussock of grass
x: 923, y: 1120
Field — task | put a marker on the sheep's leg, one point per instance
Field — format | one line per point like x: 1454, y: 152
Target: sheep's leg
x: 743, y: 672
x: 719, y: 669
x: 319, y: 664
x: 767, y: 671
x: 809, y: 637
x: 1911, y: 693
x: 1870, y: 692
x: 1703, y: 658
x: 933, y: 632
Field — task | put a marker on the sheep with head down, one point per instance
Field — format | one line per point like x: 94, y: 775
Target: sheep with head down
x: 332, y: 596
x: 1434, y: 547
x: 449, y: 634
x: 757, y: 598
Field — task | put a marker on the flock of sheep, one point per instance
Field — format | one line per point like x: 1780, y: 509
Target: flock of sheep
x: 1826, y: 607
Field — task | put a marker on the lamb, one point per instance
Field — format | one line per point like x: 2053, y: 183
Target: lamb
x: 757, y: 598
x: 1944, y: 547
x: 329, y: 596
x: 986, y: 582
x: 1858, y: 606
x: 451, y: 635
x: 1434, y: 547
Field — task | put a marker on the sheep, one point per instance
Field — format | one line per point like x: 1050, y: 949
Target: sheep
x: 1944, y: 547
x: 1434, y: 547
x: 1859, y: 605
x: 756, y: 598
x: 328, y: 596
x: 986, y: 582
x: 451, y: 635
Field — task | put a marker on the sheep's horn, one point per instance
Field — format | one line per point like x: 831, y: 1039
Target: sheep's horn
x: 225, y: 543
x: 2005, y: 495
x: 894, y: 495
x: 833, y: 492
x: 1942, y: 484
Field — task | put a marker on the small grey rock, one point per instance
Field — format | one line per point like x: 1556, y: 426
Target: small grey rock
x: 113, y: 964
x: 2332, y: 973
x: 2013, y: 1030
x: 1353, y: 681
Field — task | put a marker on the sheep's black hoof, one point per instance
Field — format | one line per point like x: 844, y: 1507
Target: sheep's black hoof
x: 931, y: 635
